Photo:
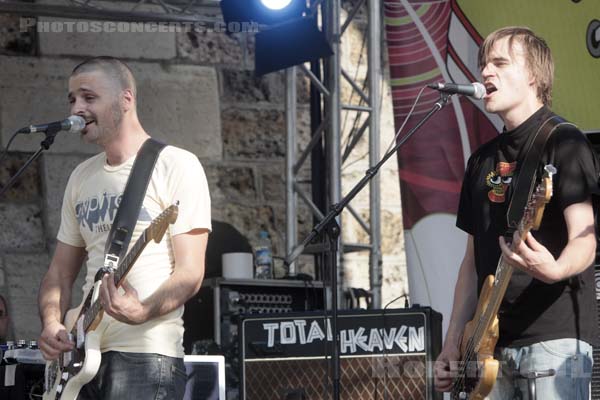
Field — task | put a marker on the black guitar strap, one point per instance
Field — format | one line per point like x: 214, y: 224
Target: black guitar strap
x: 527, y: 175
x: 131, y: 202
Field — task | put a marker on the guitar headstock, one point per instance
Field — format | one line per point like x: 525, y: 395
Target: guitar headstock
x: 159, y: 225
x: 532, y: 217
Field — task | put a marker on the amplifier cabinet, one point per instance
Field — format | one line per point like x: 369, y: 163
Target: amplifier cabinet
x: 214, y: 312
x: 286, y: 356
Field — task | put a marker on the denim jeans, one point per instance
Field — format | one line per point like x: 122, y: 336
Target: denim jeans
x: 138, y: 376
x: 570, y: 358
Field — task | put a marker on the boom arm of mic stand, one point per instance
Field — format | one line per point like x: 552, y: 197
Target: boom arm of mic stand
x: 44, y: 145
x: 333, y: 236
x: 337, y: 208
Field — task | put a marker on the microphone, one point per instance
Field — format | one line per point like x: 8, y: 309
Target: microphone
x: 73, y: 124
x: 475, y: 89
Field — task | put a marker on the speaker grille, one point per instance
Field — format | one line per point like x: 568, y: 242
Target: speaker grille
x: 360, y: 378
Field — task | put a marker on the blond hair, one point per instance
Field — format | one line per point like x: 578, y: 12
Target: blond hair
x: 538, y: 56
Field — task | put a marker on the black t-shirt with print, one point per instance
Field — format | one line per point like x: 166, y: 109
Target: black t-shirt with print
x: 532, y: 311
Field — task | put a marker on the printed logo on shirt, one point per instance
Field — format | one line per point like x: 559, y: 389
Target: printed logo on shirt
x: 499, y: 180
x: 97, y: 213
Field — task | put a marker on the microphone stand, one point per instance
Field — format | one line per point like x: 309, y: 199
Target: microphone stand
x: 44, y: 145
x: 329, y: 226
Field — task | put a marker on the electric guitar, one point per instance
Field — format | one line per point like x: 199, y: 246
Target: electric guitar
x: 477, y: 368
x: 65, y: 376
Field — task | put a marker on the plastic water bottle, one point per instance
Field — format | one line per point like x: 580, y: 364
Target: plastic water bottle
x: 263, y: 257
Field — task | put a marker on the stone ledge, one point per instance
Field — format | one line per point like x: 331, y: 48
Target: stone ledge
x: 63, y: 36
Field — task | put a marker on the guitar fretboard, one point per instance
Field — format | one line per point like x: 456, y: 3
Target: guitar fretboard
x: 124, y: 267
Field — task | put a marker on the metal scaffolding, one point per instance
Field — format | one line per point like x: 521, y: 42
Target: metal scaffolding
x: 329, y: 129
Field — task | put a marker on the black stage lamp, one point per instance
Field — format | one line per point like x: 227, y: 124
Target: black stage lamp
x: 287, y: 36
x: 289, y: 44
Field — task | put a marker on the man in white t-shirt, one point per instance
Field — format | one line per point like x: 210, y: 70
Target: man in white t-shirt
x: 142, y: 328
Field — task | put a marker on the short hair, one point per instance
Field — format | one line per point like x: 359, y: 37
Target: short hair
x: 114, y: 68
x: 537, y: 56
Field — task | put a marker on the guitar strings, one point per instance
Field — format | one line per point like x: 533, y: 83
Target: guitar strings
x: 460, y: 382
x: 501, y: 269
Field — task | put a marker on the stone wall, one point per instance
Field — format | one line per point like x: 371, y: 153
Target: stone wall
x: 197, y: 90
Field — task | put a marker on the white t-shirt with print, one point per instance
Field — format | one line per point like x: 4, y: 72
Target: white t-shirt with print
x: 89, y: 206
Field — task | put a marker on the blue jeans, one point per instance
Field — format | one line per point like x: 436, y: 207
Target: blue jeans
x: 136, y: 376
x: 570, y: 358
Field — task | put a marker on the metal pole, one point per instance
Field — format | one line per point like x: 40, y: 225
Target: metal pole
x: 334, y: 116
x: 291, y: 199
x: 375, y: 77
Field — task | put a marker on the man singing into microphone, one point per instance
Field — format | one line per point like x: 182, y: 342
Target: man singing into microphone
x: 548, y: 314
x: 142, y: 351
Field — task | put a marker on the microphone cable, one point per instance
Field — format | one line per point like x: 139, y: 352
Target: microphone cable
x: 412, y: 109
x: 385, y: 355
x: 5, y: 152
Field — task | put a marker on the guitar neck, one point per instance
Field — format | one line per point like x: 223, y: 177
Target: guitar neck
x: 130, y: 259
x: 124, y: 266
x: 504, y: 273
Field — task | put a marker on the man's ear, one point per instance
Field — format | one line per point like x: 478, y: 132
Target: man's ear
x: 127, y: 99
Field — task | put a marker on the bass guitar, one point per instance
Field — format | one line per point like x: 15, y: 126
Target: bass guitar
x: 65, y: 376
x: 477, y: 368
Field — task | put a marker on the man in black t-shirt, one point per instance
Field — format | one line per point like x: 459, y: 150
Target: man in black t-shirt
x: 547, y: 319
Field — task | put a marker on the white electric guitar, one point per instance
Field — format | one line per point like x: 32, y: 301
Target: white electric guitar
x: 66, y: 376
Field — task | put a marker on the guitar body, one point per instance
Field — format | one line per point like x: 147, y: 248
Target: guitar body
x: 477, y: 370
x: 487, y: 368
x: 66, y: 376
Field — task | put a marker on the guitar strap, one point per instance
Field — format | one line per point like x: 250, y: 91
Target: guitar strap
x: 528, y: 172
x: 131, y: 202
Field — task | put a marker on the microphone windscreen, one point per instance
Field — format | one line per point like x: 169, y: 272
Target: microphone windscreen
x: 77, y: 123
x: 479, y: 90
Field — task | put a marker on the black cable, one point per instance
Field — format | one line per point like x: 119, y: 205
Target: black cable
x: 5, y: 152
x: 385, y: 355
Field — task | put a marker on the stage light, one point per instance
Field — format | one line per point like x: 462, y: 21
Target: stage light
x: 276, y: 4
x: 288, y: 34
x: 289, y: 44
x: 266, y: 12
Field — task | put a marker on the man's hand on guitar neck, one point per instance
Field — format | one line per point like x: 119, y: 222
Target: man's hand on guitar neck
x: 125, y: 307
x: 444, y: 374
x: 54, y: 340
x: 533, y: 258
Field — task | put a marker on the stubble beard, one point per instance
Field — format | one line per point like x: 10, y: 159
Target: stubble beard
x: 108, y: 132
